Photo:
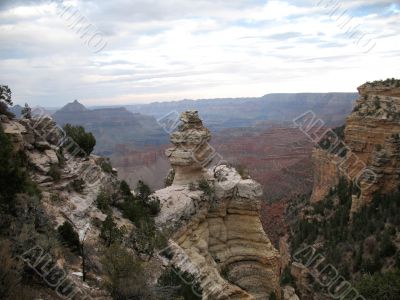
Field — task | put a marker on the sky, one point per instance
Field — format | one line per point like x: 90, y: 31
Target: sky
x: 104, y: 52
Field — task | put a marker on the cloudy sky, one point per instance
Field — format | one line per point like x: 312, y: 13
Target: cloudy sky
x: 137, y: 51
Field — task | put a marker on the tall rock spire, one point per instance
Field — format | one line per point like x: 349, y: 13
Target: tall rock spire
x: 191, y: 152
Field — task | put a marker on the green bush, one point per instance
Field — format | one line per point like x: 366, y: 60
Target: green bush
x: 205, y: 187
x: 286, y: 277
x: 141, y: 206
x: 143, y: 191
x: 13, y: 178
x: 146, y: 237
x: 110, y: 233
x: 5, y: 101
x: 387, y: 247
x: 169, y: 179
x: 103, y: 201
x: 380, y: 286
x: 125, y: 189
x: 78, y: 185
x: 154, y: 206
x: 55, y: 198
x: 85, y: 140
x: 69, y: 236
x: 54, y: 172
x: 377, y: 102
x: 125, y: 277
x: 106, y: 167
x: 184, y: 284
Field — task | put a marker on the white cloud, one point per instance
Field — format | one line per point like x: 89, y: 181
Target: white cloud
x: 193, y: 49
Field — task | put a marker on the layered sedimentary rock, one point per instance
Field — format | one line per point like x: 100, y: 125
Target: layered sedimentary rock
x: 191, y: 149
x: 326, y: 173
x: 371, y: 139
x: 216, y: 232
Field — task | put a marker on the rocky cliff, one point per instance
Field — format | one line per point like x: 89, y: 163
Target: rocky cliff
x: 369, y: 155
x: 212, y: 215
x: 69, y: 185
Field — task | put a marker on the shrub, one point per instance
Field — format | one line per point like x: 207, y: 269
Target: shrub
x: 124, y: 188
x: 54, y: 172
x: 13, y: 179
x: 154, y: 206
x: 142, y: 191
x: 183, y: 284
x: 125, y: 278
x: 380, y: 286
x: 133, y: 210
x: 377, y: 103
x: 286, y: 277
x: 110, y: 233
x: 147, y: 238
x: 387, y: 248
x: 4, y: 110
x: 69, y: 236
x: 55, y: 198
x: 9, y: 278
x: 169, y: 179
x: 78, y: 185
x: 5, y: 100
x: 205, y: 187
x: 85, y: 140
x: 103, y: 201
x: 106, y: 167
x: 5, y: 94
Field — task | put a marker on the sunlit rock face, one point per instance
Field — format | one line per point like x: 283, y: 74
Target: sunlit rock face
x: 216, y: 233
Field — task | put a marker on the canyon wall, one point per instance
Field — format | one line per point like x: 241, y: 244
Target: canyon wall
x: 371, y: 146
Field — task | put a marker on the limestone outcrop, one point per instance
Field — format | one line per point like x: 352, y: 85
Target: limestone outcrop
x: 212, y: 216
x: 191, y: 150
x: 371, y: 138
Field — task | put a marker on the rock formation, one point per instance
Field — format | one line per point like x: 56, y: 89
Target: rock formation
x: 69, y: 187
x: 372, y: 143
x: 214, y: 225
x: 191, y: 151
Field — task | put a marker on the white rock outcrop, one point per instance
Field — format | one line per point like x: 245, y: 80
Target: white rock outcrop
x: 215, y: 229
x: 191, y: 150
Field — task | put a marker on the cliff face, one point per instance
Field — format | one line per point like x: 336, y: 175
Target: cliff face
x: 326, y: 173
x: 371, y: 139
x: 69, y: 186
x: 216, y: 232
